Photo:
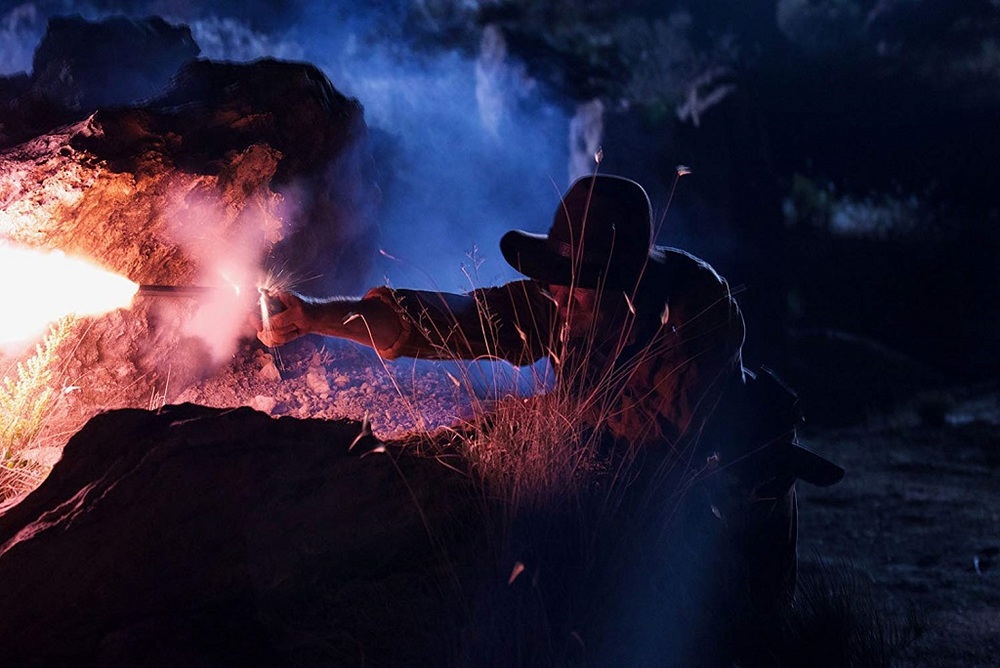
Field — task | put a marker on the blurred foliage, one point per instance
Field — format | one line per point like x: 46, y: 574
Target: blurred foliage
x: 639, y: 53
x: 817, y: 205
x: 822, y: 26
x: 944, y: 43
x: 809, y: 203
x: 648, y: 52
x: 664, y: 63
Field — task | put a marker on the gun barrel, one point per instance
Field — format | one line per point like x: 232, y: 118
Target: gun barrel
x: 176, y: 290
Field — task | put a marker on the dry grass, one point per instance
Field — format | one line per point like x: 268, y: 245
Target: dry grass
x: 27, y: 398
x: 530, y: 452
x: 543, y: 449
x: 562, y: 509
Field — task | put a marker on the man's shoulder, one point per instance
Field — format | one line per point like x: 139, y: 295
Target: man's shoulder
x: 691, y: 287
x: 677, y: 265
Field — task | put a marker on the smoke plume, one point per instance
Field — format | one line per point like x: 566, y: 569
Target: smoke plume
x: 458, y: 166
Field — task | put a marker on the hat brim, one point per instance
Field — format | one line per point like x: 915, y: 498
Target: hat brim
x: 530, y: 254
x: 813, y: 468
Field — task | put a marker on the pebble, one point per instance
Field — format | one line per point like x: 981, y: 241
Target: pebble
x: 316, y: 381
x: 263, y: 403
x: 269, y: 372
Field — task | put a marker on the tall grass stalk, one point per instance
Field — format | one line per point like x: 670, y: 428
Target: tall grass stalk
x: 26, y: 400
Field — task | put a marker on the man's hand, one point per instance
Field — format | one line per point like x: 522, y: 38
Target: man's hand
x: 291, y: 323
x: 367, y: 321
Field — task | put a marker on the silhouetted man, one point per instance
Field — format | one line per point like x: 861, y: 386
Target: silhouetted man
x: 653, y: 337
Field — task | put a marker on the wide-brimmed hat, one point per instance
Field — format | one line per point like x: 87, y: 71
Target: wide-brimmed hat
x: 601, y: 235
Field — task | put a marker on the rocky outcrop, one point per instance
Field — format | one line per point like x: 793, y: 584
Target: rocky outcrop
x: 325, y: 173
x: 224, y: 537
x: 238, y: 157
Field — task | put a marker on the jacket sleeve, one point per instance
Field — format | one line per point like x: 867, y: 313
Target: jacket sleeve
x: 510, y: 322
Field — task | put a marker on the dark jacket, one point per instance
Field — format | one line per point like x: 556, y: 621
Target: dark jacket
x: 662, y: 380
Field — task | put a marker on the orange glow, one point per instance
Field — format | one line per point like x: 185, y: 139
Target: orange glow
x: 39, y: 287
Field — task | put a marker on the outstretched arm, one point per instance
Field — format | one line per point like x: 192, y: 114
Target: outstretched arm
x: 509, y: 322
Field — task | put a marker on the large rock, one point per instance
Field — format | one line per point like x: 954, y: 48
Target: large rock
x: 196, y: 536
x: 325, y: 174
x: 25, y: 113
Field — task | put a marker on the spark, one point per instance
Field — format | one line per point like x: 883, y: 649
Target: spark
x: 237, y: 288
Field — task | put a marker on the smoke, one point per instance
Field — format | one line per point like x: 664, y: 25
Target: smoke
x: 467, y: 146
x: 461, y: 158
x: 21, y: 28
x: 224, y: 38
x: 229, y: 248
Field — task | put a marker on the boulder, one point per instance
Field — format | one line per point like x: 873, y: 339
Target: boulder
x: 325, y: 175
x: 197, y: 536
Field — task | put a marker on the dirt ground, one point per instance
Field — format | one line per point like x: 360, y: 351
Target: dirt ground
x: 918, y: 517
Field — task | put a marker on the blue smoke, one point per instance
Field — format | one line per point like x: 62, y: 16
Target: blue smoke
x: 452, y: 185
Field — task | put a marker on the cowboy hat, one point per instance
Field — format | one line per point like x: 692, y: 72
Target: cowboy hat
x: 601, y: 236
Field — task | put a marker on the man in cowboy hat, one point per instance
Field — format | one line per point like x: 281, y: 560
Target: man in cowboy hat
x: 657, y: 330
